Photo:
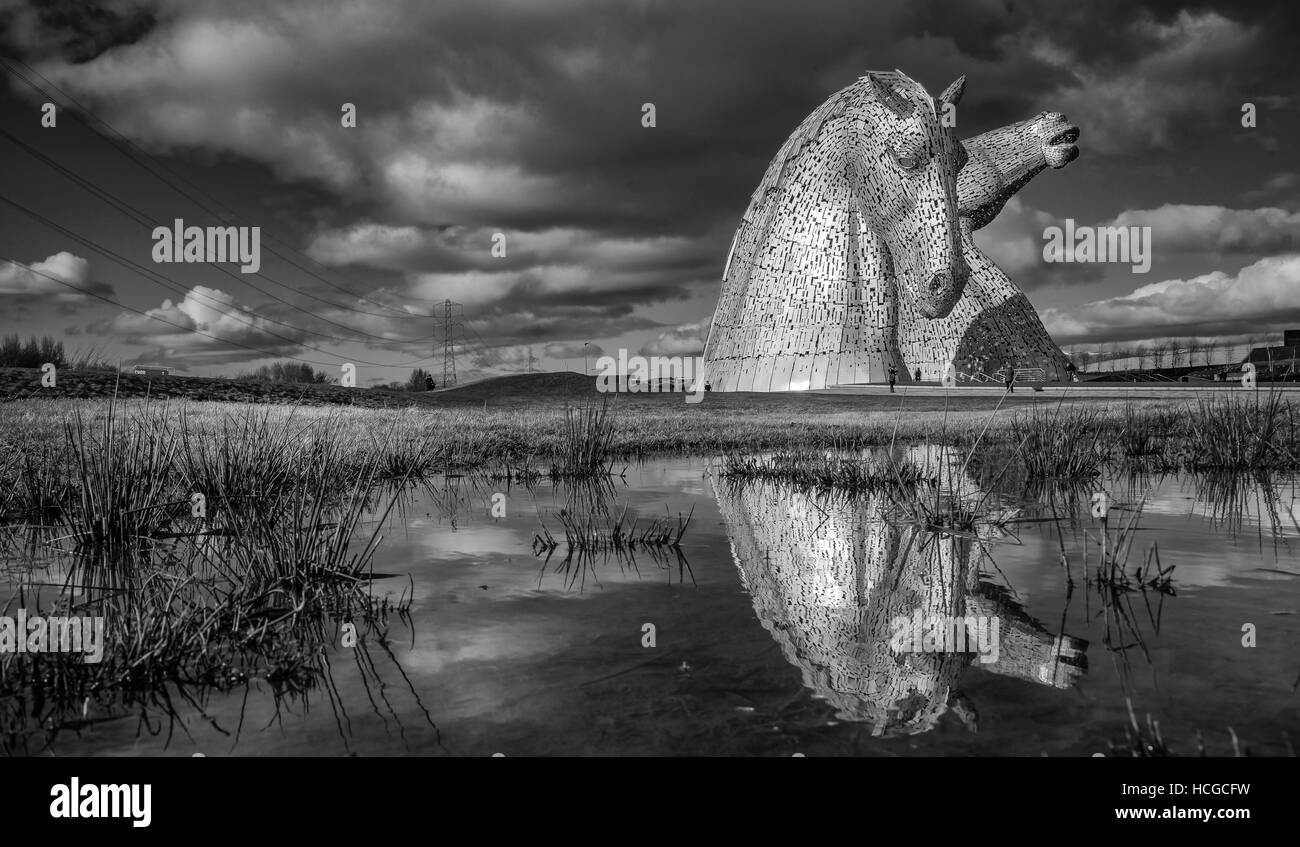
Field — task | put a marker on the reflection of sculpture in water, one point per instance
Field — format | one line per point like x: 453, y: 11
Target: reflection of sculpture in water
x: 829, y: 577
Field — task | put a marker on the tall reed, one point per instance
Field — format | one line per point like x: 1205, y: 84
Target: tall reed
x: 586, y: 443
x: 1065, y: 442
x: 1242, y: 433
x: 123, y: 480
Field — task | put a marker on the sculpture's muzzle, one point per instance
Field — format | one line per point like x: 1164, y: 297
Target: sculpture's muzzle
x: 942, y: 291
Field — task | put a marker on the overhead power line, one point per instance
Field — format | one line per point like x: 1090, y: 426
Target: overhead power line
x: 125, y: 262
x: 145, y: 160
x: 144, y: 219
x: 111, y: 301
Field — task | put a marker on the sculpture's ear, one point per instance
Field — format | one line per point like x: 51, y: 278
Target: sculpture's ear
x: 952, y: 94
x: 886, y: 95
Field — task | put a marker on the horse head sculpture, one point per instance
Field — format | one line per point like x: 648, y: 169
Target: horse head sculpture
x: 855, y: 254
x: 905, y: 164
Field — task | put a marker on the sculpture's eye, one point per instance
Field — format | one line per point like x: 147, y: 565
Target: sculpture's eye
x: 907, y: 161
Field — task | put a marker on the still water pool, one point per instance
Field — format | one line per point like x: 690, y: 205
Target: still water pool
x: 774, y: 628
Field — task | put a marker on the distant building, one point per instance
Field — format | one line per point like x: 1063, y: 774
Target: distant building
x: 1273, y: 355
x: 1277, y: 363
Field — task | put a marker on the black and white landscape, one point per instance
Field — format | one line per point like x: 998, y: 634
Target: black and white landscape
x: 592, y: 379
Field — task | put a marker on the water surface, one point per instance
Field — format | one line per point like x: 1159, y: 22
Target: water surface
x: 772, y: 624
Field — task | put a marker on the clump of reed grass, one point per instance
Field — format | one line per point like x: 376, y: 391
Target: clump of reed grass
x: 586, y: 442
x: 1114, y: 549
x: 1232, y: 432
x: 173, y: 641
x: 586, y: 533
x: 241, y: 465
x: 1143, y: 435
x: 36, y: 487
x: 594, y: 536
x: 209, y: 612
x: 199, y: 602
x: 124, y: 481
x: 823, y: 469
x: 1063, y: 442
x: 1116, y: 588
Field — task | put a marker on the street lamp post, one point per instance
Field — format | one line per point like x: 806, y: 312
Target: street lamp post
x: 585, y: 372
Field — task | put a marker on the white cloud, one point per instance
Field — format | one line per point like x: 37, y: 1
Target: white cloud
x: 1193, y: 229
x: 682, y: 340
x: 1262, y: 296
x: 28, y: 282
x: 207, y: 310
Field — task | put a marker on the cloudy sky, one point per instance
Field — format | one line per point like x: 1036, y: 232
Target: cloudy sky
x: 525, y: 119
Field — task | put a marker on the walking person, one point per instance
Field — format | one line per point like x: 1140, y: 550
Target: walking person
x: 1011, y: 380
x: 893, y: 377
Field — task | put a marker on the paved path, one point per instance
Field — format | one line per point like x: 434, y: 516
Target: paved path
x: 1099, y: 390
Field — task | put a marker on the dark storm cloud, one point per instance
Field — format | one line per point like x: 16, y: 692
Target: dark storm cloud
x: 516, y: 115
x: 75, y: 29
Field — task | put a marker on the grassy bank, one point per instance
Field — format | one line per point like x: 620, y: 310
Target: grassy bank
x: 56, y: 452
